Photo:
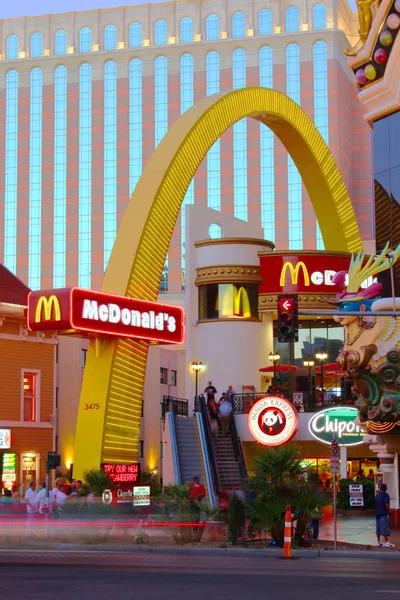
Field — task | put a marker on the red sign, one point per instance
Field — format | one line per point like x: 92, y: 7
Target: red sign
x: 122, y: 473
x: 273, y: 421
x: 289, y: 273
x: 88, y: 312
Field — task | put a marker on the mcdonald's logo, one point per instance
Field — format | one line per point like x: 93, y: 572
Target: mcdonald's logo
x: 48, y: 304
x: 294, y: 273
x: 235, y: 303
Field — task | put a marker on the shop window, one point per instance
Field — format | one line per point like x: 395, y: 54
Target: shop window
x: 228, y: 301
x: 173, y: 378
x: 164, y: 375
x: 29, y: 469
x: 141, y: 448
x: 30, y: 408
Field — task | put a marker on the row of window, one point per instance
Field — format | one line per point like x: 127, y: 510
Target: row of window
x: 164, y: 377
x: 292, y: 24
x: 110, y: 167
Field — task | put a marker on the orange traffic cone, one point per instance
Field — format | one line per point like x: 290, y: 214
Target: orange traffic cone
x: 287, y: 540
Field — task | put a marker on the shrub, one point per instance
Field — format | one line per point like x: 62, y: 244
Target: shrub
x: 236, y: 519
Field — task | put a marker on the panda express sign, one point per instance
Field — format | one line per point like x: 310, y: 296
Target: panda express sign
x: 273, y: 421
x: 91, y: 313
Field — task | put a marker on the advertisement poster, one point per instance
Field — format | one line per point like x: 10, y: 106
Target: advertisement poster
x: 356, y: 495
x: 141, y: 495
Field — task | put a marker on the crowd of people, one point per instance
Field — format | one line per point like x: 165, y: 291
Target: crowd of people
x: 219, y: 411
x: 42, y: 501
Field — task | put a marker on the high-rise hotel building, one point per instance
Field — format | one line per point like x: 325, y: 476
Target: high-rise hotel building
x: 85, y: 97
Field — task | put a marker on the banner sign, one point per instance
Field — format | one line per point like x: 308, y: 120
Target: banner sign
x: 122, y: 473
x: 356, y: 495
x: 5, y: 439
x: 141, y: 495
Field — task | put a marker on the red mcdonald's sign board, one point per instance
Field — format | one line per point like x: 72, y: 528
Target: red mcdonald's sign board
x: 90, y: 313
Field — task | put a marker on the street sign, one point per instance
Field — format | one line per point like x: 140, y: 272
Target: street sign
x: 334, y: 448
x: 356, y: 495
x: 335, y: 465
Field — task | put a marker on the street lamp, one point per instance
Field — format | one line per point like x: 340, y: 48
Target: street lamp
x: 274, y: 357
x: 322, y: 356
x: 309, y: 364
x: 197, y: 367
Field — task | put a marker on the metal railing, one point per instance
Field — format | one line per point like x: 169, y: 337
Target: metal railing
x: 178, y: 406
x: 238, y: 450
x: 304, y: 401
x: 201, y: 407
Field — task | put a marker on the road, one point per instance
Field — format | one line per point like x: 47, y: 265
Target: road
x: 194, y: 577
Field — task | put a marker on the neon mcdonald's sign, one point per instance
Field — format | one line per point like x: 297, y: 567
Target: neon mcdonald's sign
x: 235, y: 303
x: 48, y: 304
x: 294, y: 273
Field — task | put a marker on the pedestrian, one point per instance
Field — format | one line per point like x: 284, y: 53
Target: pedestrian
x: 31, y: 499
x: 210, y: 391
x: 59, y: 497
x: 225, y: 413
x: 382, y: 503
x: 196, y: 494
x: 213, y: 416
x: 79, y: 487
x: 230, y: 392
x: 6, y: 499
x: 73, y: 488
x: 45, y: 503
x: 15, y: 493
x: 370, y: 474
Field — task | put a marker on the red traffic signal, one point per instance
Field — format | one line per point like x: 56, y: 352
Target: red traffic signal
x: 288, y: 319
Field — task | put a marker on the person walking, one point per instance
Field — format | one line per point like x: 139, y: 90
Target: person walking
x: 210, y: 391
x: 197, y: 493
x: 230, y: 392
x: 225, y: 412
x: 382, y: 503
x: 31, y: 499
x: 213, y: 415
x: 45, y: 503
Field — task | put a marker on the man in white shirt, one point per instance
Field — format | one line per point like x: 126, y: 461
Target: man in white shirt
x: 45, y: 504
x: 31, y: 499
x: 225, y: 412
x: 59, y: 496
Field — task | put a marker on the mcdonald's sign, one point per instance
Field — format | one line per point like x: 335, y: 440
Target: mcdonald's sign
x: 235, y: 303
x: 294, y: 273
x: 50, y: 307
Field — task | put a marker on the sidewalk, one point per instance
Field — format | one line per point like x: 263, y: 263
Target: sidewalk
x: 354, y: 530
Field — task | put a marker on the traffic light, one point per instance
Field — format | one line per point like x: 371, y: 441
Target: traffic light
x: 288, y: 318
x: 53, y: 460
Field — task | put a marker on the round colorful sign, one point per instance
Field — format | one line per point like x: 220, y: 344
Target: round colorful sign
x: 273, y: 421
x: 337, y: 423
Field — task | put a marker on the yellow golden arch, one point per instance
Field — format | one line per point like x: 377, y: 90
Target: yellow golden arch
x: 110, y: 405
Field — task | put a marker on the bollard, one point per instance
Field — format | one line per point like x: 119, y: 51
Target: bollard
x: 287, y: 540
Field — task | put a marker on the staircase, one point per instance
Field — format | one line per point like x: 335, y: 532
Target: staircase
x: 228, y: 467
x: 188, y: 449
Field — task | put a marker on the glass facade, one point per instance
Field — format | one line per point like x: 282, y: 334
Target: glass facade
x: 135, y: 122
x: 295, y: 204
x: 110, y: 158
x: 85, y: 40
x: 186, y: 31
x: 212, y: 27
x: 314, y: 336
x: 60, y: 177
x: 239, y: 142
x: 265, y: 22
x: 11, y: 172
x: 135, y: 35
x: 160, y: 33
x: 321, y: 115
x: 85, y: 176
x: 292, y: 19
x: 36, y: 45
x: 238, y: 25
x: 187, y: 95
x: 267, y: 175
x: 228, y: 301
x: 60, y: 42
x: 214, y: 154
x: 12, y: 47
x: 110, y: 37
x: 35, y: 180
x: 319, y: 16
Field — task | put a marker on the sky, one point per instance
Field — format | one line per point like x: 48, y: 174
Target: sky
x: 26, y: 8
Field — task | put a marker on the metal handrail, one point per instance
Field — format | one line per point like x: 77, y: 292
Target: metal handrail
x: 178, y: 406
x: 201, y: 407
x: 305, y: 402
x: 238, y: 450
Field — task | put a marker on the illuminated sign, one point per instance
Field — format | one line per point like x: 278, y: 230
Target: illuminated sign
x: 88, y: 312
x: 5, y: 439
x: 122, y: 473
x: 294, y: 273
x: 141, y: 495
x: 337, y: 423
x: 235, y: 303
x: 273, y: 421
x: 9, y: 470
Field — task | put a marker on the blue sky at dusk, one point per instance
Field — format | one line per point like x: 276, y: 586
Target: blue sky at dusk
x: 25, y: 8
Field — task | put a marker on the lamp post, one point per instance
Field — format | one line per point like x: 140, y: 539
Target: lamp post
x: 322, y: 356
x: 197, y: 367
x: 274, y: 357
x: 309, y: 364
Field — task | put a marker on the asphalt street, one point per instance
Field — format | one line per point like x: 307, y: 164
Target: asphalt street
x: 121, y: 576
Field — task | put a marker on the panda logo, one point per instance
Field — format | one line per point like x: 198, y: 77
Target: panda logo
x: 272, y: 421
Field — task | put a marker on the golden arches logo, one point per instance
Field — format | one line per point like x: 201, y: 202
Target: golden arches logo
x: 48, y: 304
x: 235, y: 303
x: 294, y: 273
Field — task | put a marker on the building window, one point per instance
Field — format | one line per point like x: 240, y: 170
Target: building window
x: 215, y: 231
x: 35, y: 181
x: 321, y: 114
x: 228, y: 301
x: 292, y: 19
x: 239, y: 142
x: 135, y: 122
x: 295, y: 203
x: 214, y: 154
x: 110, y: 158
x: 36, y: 45
x: 160, y: 33
x: 11, y: 172
x: 135, y: 35
x: 238, y: 25
x: 140, y: 449
x: 265, y: 22
x: 110, y: 37
x: 161, y: 124
x: 60, y: 176
x: 85, y: 176
x: 85, y: 40
x: 186, y: 30
x: 319, y: 16
x: 83, y: 357
x: 174, y: 378
x: 212, y: 27
x: 30, y: 396
x: 186, y: 69
x: 163, y: 375
x: 12, y: 47
x: 60, y: 42
x: 161, y: 449
x: 267, y: 175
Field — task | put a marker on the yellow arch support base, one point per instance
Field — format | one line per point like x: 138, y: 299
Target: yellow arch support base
x: 114, y: 378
